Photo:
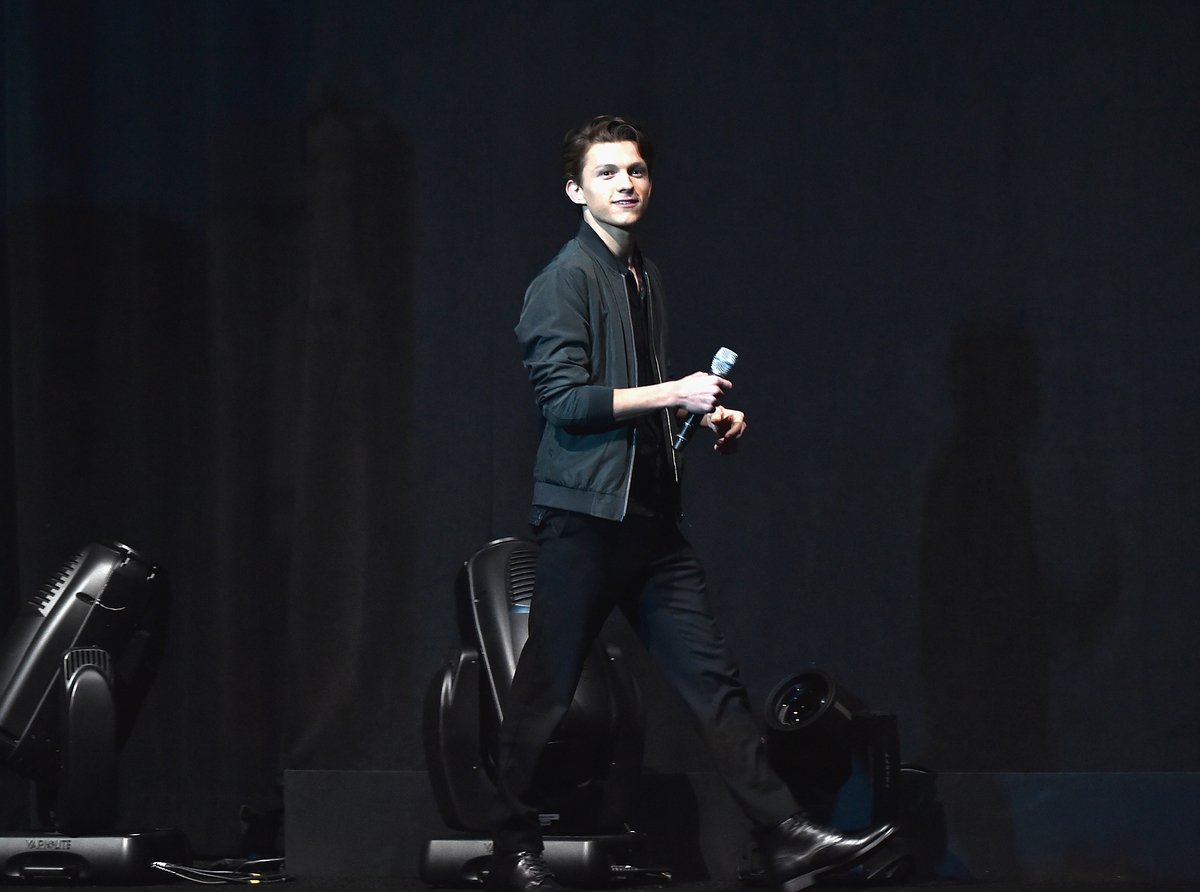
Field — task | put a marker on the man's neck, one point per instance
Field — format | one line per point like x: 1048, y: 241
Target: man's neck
x: 617, y: 240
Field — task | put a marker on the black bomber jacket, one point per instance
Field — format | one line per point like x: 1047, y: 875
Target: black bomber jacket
x: 576, y: 337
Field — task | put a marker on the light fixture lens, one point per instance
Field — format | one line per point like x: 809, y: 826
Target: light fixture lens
x: 802, y: 701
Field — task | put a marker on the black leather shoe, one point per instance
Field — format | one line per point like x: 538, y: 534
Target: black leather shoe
x: 797, y: 851
x: 520, y: 872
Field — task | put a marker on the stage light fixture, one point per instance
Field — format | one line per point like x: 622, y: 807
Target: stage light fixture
x: 588, y: 778
x: 812, y: 702
x: 820, y: 735
x: 840, y: 760
x: 74, y: 667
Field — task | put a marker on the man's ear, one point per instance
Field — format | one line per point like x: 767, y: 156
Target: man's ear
x: 575, y: 193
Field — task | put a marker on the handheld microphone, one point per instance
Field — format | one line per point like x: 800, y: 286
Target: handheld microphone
x: 722, y: 363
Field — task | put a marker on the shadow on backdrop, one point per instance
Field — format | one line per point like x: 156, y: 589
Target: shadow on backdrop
x: 984, y: 613
x: 992, y: 618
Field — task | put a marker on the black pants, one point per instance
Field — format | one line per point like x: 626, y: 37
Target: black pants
x: 645, y: 567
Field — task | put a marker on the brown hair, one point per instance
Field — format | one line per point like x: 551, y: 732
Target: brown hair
x: 602, y: 128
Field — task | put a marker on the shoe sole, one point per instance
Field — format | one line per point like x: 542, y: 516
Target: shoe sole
x: 795, y: 884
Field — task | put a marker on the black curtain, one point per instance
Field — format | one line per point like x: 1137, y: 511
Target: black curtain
x: 261, y: 266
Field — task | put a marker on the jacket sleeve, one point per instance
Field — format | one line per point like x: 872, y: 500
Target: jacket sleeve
x: 555, y: 334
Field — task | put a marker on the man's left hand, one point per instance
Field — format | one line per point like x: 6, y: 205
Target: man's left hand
x: 729, y: 425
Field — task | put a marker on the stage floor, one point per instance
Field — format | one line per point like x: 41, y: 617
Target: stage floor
x: 394, y: 884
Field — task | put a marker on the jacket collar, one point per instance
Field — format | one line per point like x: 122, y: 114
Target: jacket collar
x: 594, y: 245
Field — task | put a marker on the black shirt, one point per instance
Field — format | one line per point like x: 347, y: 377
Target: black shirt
x: 652, y: 492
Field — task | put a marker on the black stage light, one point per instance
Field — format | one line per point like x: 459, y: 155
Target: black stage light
x: 819, y: 734
x: 74, y: 666
x: 814, y: 702
x: 811, y: 728
x: 586, y: 784
x: 840, y: 760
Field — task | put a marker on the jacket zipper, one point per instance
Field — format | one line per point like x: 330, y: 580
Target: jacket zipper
x: 666, y: 413
x: 628, y: 316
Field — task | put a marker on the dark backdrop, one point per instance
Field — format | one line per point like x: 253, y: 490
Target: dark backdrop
x: 261, y: 266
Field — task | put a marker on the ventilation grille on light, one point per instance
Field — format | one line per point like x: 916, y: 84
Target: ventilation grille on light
x: 522, y: 565
x: 53, y: 587
x: 82, y: 657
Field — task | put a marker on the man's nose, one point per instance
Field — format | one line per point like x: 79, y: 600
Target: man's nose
x: 624, y: 181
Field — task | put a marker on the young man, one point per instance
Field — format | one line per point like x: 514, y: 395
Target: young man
x: 606, y: 506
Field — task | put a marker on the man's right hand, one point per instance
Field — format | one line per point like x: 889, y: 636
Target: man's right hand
x: 700, y: 392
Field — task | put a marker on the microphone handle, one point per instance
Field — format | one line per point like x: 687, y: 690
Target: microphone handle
x: 685, y: 432
x: 722, y: 364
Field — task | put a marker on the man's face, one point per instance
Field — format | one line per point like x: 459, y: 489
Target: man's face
x: 614, y: 184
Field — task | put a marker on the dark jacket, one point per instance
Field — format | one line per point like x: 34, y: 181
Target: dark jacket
x: 576, y: 338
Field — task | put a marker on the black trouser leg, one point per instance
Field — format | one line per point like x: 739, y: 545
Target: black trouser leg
x: 583, y: 565
x: 572, y: 598
x: 674, y: 620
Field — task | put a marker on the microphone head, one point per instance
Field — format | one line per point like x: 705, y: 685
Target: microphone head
x: 723, y: 361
